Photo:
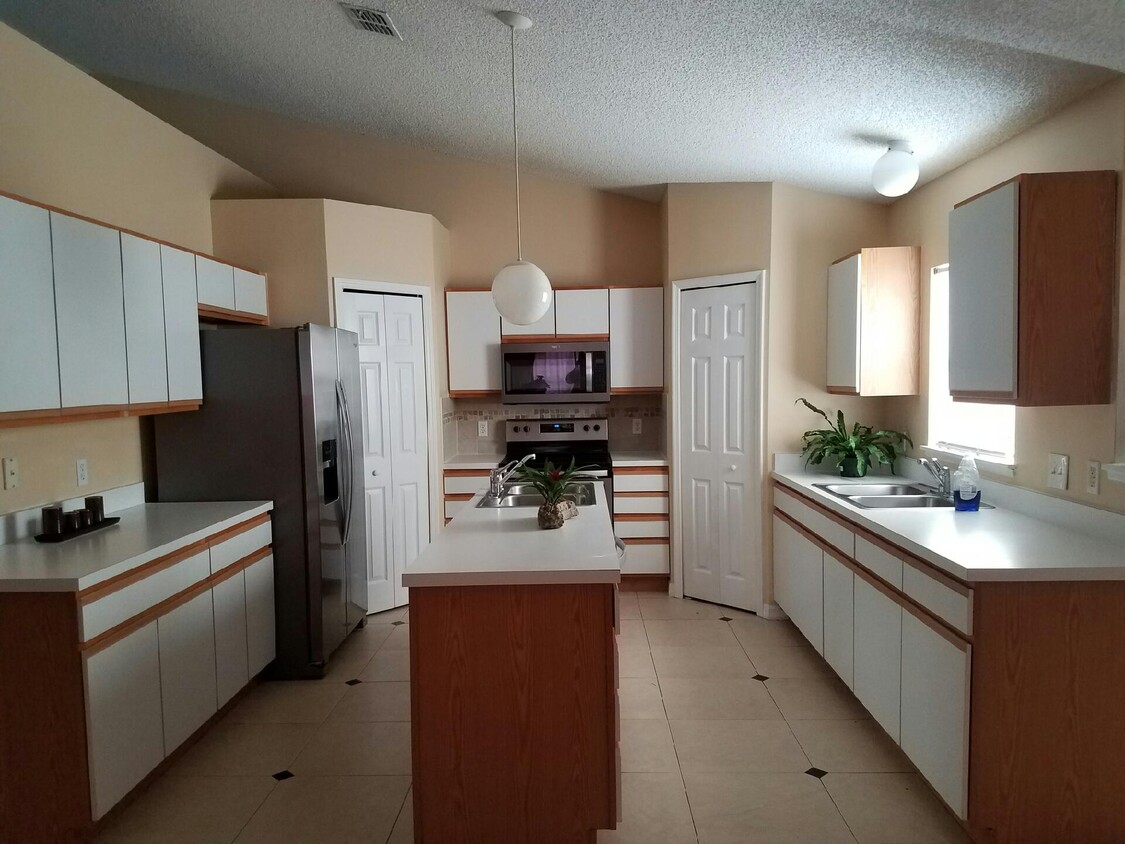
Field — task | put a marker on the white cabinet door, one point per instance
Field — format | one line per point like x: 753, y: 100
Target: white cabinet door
x: 261, y: 633
x: 144, y: 320
x: 543, y: 327
x: 838, y: 618
x: 29, y: 355
x: 983, y: 292
x: 214, y: 283
x: 90, y: 311
x: 231, y: 671
x: 798, y: 581
x: 636, y: 338
x: 581, y: 312
x: 878, y: 654
x: 935, y: 710
x: 249, y: 292
x: 181, y: 325
x: 125, y: 736
x: 843, y: 325
x: 473, y: 333
x: 187, y: 668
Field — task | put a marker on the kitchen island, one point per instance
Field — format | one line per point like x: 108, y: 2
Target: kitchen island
x: 513, y: 678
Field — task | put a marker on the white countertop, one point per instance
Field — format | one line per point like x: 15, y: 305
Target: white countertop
x: 989, y: 545
x: 639, y: 458
x: 506, y: 546
x: 473, y: 461
x: 144, y: 533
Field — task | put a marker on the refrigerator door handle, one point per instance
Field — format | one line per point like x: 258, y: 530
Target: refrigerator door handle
x: 349, y: 458
x: 345, y: 461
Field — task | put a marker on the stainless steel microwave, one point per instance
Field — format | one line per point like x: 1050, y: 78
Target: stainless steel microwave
x: 554, y: 373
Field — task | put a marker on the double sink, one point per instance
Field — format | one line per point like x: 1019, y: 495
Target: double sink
x: 525, y: 495
x: 889, y: 496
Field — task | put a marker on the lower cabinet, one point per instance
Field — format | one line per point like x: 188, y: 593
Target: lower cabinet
x: 261, y: 632
x: 798, y: 573
x: 878, y: 654
x: 839, y: 618
x: 187, y: 668
x: 231, y: 673
x: 125, y: 730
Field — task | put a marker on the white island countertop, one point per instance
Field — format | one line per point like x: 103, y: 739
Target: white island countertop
x: 145, y: 532
x: 990, y: 545
x: 506, y: 547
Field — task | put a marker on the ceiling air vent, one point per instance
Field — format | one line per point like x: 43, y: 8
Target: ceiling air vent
x: 370, y: 20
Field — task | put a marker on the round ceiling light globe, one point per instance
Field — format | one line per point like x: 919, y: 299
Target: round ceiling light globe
x: 895, y: 173
x: 522, y: 293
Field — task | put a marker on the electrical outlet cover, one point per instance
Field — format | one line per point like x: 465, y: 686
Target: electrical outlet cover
x: 83, y: 472
x: 1058, y: 470
x: 11, y: 473
x: 636, y: 426
x: 482, y: 428
x: 1093, y: 477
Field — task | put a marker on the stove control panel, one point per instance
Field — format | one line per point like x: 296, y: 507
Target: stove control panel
x: 557, y: 430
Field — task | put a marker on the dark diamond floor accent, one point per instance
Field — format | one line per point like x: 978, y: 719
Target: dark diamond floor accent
x: 282, y: 775
x: 761, y: 677
x: 397, y: 623
x: 724, y: 618
x: 354, y: 682
x: 816, y: 772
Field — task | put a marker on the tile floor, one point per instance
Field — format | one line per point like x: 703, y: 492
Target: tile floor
x: 721, y: 721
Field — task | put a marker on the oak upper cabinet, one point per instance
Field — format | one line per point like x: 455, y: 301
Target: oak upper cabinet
x: 543, y: 327
x: 877, y: 657
x: 250, y: 292
x: 187, y: 668
x: 582, y: 314
x: 144, y: 320
x: 473, y: 335
x: 873, y: 312
x: 214, y: 283
x: 90, y: 312
x: 181, y: 325
x: 1031, y: 291
x: 29, y: 358
x: 636, y: 339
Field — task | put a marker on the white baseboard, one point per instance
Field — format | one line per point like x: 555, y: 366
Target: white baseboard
x: 773, y: 612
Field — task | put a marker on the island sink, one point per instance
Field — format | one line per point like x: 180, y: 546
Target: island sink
x: 525, y: 495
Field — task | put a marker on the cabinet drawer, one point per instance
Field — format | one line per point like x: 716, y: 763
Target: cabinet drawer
x: 638, y: 530
x: 950, y: 606
x: 640, y: 504
x: 465, y: 484
x: 645, y: 559
x: 107, y: 612
x: 831, y: 532
x: 454, y: 506
x: 880, y: 562
x: 639, y: 482
x: 240, y: 545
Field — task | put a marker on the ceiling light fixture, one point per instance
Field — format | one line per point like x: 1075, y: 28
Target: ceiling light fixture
x: 896, y: 171
x: 521, y: 291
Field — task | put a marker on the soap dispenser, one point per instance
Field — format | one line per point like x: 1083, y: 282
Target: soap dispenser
x: 966, y: 485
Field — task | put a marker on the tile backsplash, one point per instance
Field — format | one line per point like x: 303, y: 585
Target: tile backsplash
x: 459, y: 420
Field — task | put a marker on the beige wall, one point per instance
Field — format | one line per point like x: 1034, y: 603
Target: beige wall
x: 71, y: 142
x: 1088, y: 135
x: 578, y: 235
x: 715, y: 229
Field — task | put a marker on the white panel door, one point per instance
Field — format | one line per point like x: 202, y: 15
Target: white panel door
x: 636, y: 337
x: 582, y: 312
x: 249, y: 292
x: 473, y: 334
x: 231, y: 664
x: 718, y: 484
x: 935, y: 709
x: 90, y: 309
x: 261, y: 628
x: 125, y: 735
x: 798, y: 580
x: 144, y: 320
x: 839, y: 582
x: 878, y: 655
x: 29, y: 354
x: 844, y: 325
x: 214, y: 283
x: 983, y: 292
x: 181, y: 324
x: 543, y: 327
x: 187, y: 668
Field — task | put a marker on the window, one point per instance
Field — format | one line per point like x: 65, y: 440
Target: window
x: 987, y: 430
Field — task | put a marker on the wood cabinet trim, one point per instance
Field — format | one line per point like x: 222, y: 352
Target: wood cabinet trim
x: 640, y: 470
x: 466, y: 473
x: 636, y: 391
x: 505, y: 339
x: 843, y: 258
x: 646, y: 540
x: 983, y: 396
x: 240, y: 565
x: 976, y: 196
x: 216, y: 314
x: 458, y: 496
x: 644, y: 582
x: 474, y: 394
x: 663, y: 494
x: 640, y: 517
x: 53, y: 416
x: 582, y: 338
x: 235, y: 530
x: 842, y: 391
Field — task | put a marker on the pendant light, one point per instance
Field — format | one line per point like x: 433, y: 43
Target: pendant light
x: 896, y: 171
x: 521, y: 291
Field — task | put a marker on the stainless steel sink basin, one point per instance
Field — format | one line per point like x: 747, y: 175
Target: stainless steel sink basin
x: 852, y: 490
x: 524, y: 495
x: 883, y: 502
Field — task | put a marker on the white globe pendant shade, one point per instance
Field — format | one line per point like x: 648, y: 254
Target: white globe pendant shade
x: 896, y: 171
x: 522, y: 293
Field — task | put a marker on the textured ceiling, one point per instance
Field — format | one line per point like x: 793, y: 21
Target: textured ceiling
x: 628, y: 94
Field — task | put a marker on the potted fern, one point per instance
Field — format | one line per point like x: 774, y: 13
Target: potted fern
x: 855, y: 449
x: 554, y: 485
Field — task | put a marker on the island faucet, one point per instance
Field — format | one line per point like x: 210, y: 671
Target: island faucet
x: 498, y: 476
x: 941, y: 475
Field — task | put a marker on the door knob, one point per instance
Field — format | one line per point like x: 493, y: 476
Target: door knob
x: 733, y: 468
x: 374, y: 473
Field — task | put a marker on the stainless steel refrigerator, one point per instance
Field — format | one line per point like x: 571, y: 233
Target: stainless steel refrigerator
x: 280, y: 421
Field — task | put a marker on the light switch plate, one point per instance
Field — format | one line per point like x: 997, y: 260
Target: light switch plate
x: 636, y: 426
x: 1058, y: 470
x: 482, y: 428
x: 11, y: 473
x: 1093, y: 477
x: 83, y: 472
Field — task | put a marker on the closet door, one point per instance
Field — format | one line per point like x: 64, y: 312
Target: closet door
x: 144, y: 320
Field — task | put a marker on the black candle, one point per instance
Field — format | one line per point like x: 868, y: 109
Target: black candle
x: 52, y: 520
x: 96, y: 507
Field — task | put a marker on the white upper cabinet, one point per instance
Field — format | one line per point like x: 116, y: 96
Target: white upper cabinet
x: 843, y: 326
x: 582, y: 313
x: 543, y: 327
x: 90, y: 313
x: 249, y: 292
x: 29, y: 359
x: 144, y: 320
x: 214, y: 283
x: 181, y: 325
x: 473, y: 334
x: 636, y: 339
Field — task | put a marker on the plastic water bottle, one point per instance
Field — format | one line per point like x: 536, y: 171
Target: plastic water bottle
x: 966, y: 485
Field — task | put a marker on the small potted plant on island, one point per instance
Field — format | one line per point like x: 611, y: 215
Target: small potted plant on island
x: 555, y: 487
x: 854, y: 450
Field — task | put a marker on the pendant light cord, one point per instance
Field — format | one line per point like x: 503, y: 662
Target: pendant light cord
x: 516, y: 151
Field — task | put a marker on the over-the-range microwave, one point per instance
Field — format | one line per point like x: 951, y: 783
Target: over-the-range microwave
x: 555, y: 373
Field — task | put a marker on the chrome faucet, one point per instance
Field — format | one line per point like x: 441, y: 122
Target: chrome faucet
x: 498, y: 476
x: 941, y: 475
